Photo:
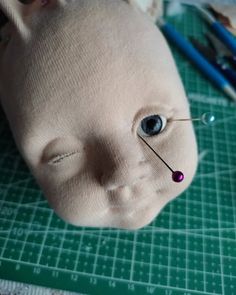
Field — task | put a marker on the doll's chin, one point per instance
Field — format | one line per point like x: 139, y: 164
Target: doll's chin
x: 133, y: 219
x: 136, y: 219
x: 130, y: 217
x: 136, y: 222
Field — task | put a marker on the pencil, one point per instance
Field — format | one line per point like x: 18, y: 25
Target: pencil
x: 197, y: 58
x: 225, y: 36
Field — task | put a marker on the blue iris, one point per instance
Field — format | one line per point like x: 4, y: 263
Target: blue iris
x: 152, y: 125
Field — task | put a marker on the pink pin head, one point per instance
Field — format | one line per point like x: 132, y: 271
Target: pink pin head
x: 177, y: 176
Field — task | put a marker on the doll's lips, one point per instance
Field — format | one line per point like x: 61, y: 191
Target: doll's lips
x: 125, y: 204
x: 121, y: 196
x: 124, y: 197
x: 133, y: 212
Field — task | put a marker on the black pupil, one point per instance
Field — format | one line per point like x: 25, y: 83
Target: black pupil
x: 152, y: 125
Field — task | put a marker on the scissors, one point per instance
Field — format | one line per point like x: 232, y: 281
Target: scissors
x: 221, y: 49
x: 221, y: 61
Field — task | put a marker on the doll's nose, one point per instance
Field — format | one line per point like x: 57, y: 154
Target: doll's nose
x: 124, y: 174
x: 125, y: 168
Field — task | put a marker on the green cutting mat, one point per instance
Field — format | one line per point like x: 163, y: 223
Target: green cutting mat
x: 189, y: 249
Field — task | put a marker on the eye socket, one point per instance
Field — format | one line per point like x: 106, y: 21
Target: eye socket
x: 152, y: 125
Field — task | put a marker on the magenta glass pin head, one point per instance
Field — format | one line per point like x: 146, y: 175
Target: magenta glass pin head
x: 177, y: 176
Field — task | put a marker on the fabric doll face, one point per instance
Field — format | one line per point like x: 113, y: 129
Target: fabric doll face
x: 77, y: 79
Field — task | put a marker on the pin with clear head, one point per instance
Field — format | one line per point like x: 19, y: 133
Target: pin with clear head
x: 206, y: 119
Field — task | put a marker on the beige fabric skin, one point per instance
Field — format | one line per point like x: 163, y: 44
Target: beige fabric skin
x: 79, y: 84
x: 152, y: 8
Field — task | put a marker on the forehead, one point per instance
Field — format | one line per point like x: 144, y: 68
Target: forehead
x: 92, y: 67
x: 110, y: 61
x: 78, y: 43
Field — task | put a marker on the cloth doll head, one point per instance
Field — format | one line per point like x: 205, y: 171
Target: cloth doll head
x: 77, y: 80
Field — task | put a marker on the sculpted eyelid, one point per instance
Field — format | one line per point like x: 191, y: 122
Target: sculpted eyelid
x: 61, y: 148
x: 60, y: 157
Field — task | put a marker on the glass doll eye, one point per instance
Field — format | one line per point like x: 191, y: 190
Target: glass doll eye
x: 152, y: 125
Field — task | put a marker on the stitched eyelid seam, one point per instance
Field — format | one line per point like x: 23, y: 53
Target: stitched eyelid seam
x: 59, y: 158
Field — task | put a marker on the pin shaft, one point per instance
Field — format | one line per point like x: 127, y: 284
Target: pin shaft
x: 193, y: 119
x: 156, y: 154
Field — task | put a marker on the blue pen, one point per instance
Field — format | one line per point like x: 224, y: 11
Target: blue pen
x: 225, y: 36
x: 186, y: 47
